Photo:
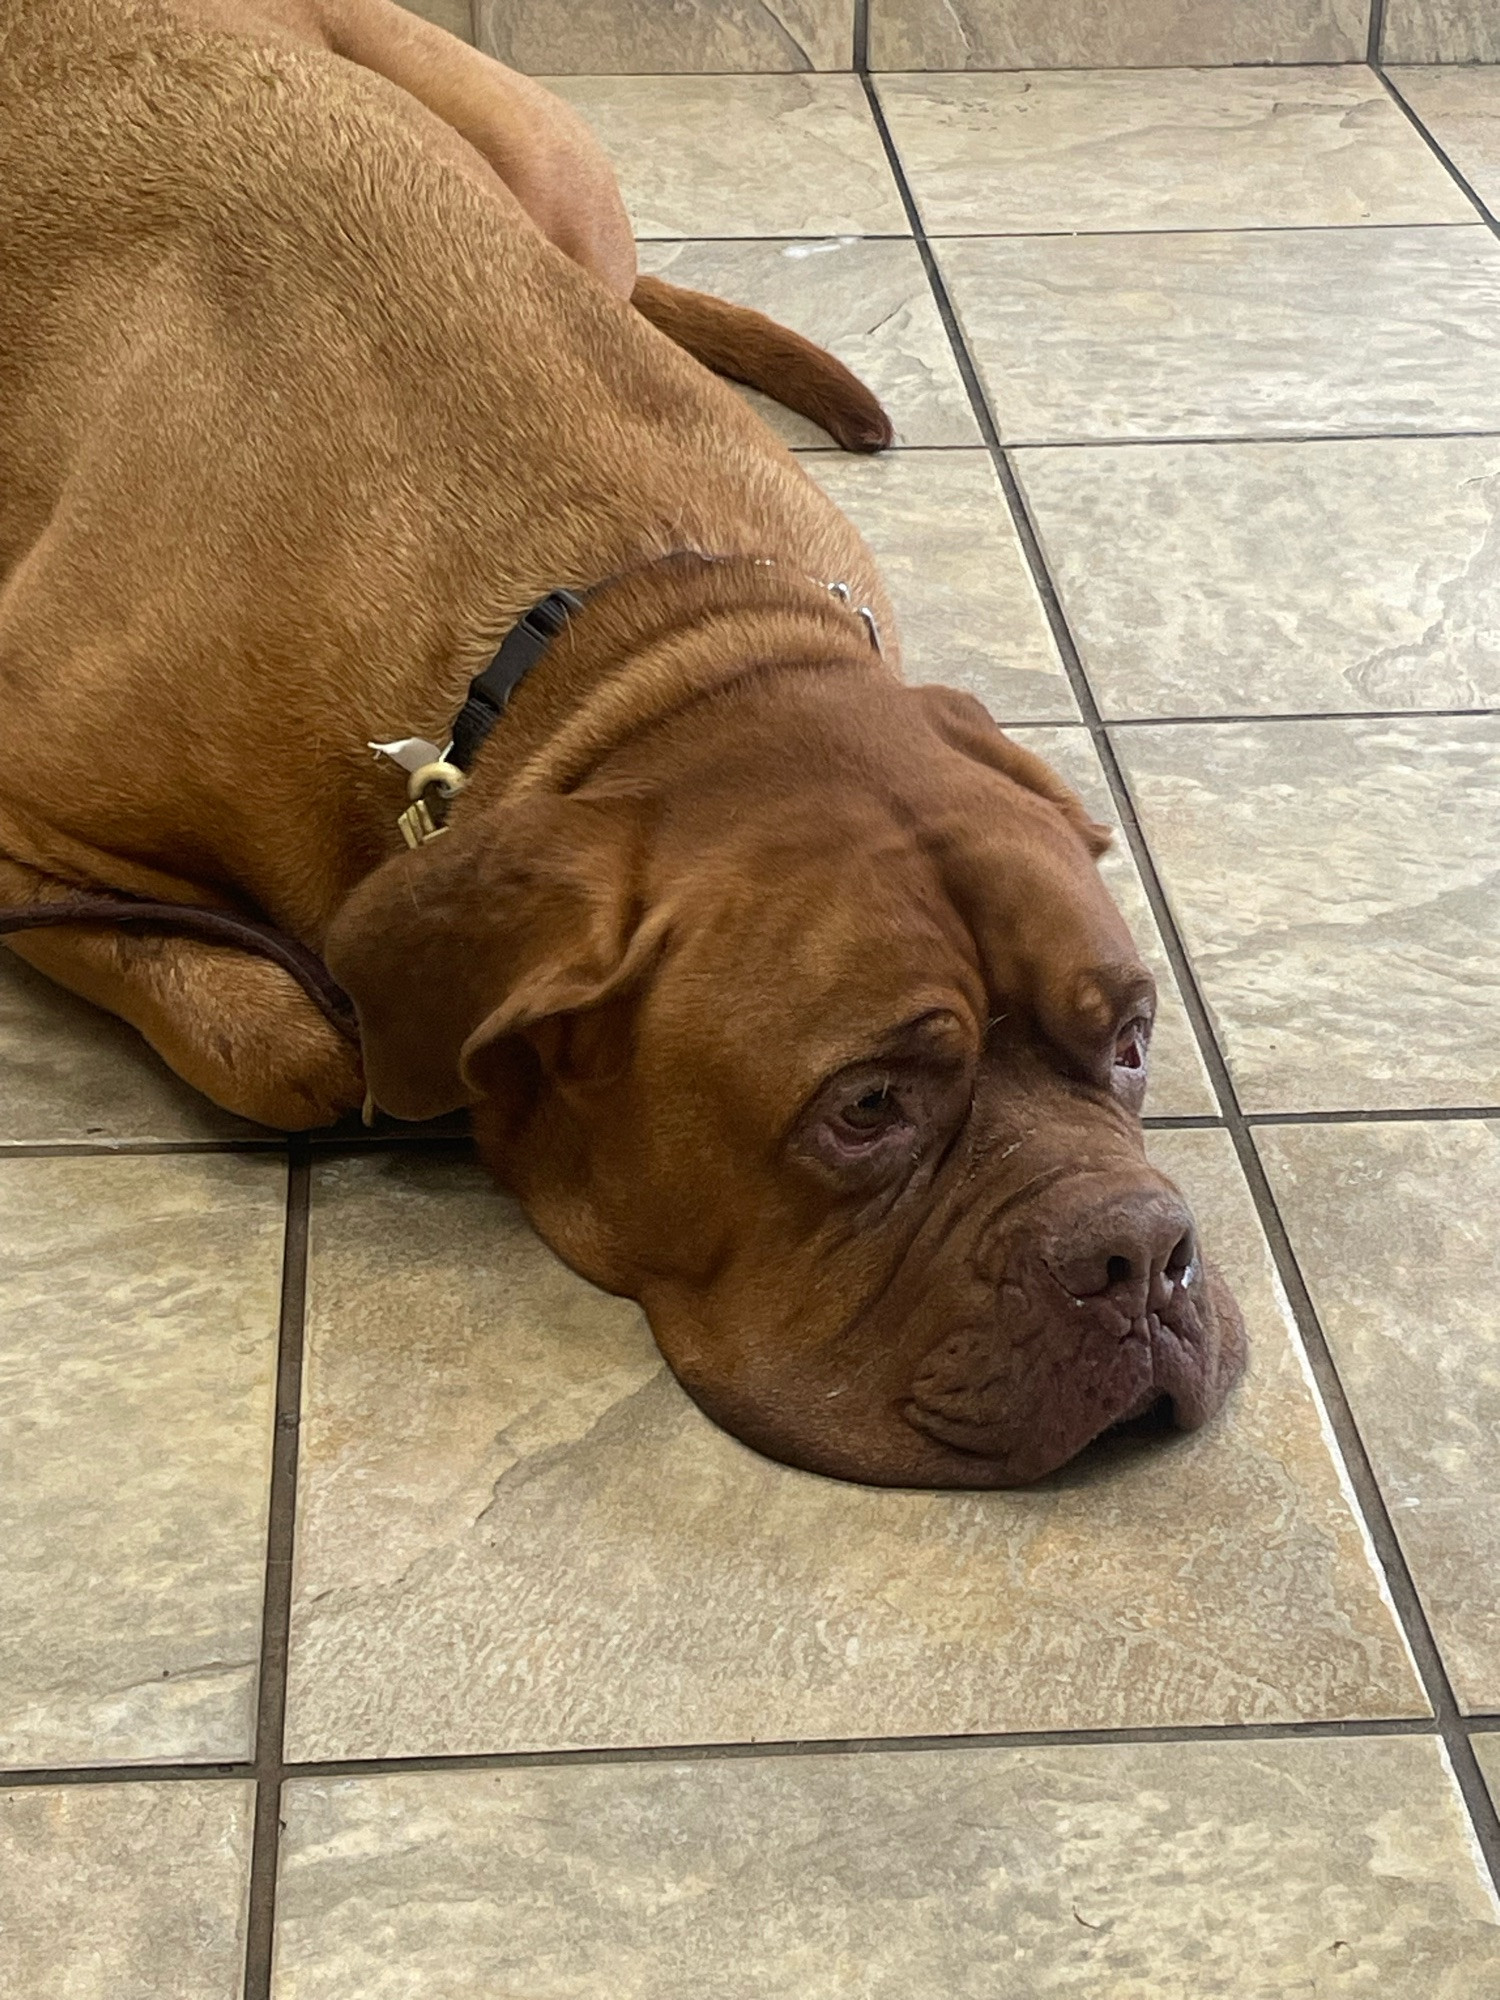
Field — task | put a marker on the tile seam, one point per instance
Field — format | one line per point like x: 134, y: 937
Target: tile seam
x: 1438, y: 150
x: 1376, y: 34
x: 1329, y: 1729
x: 1154, y: 442
x: 267, y: 1767
x: 1048, y: 235
x: 1409, y: 1610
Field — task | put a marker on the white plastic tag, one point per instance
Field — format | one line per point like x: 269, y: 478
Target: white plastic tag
x: 410, y: 752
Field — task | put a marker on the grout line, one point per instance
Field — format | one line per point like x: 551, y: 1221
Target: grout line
x: 1304, y: 436
x: 270, y: 1721
x: 1437, y: 149
x: 1376, y: 34
x: 861, y: 39
x: 1348, y: 63
x: 1410, y: 1612
x: 1280, y: 715
x: 1332, y: 1730
x: 323, y: 1142
x: 123, y: 1774
x: 1439, y: 1114
x: 1052, y: 235
x: 1157, y: 443
x: 109, y: 1149
x: 1188, y: 229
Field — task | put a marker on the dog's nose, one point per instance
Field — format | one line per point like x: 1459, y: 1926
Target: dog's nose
x: 1141, y: 1243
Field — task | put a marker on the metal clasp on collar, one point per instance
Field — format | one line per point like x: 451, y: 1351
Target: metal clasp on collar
x: 846, y: 596
x: 423, y: 821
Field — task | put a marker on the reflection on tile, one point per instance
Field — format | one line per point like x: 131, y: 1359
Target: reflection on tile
x: 124, y: 1892
x: 1243, y: 578
x: 635, y: 36
x: 1441, y: 31
x: 1179, y: 1083
x: 970, y: 614
x: 1137, y: 1871
x: 1395, y: 1229
x: 517, y: 1531
x: 742, y: 155
x: 70, y: 1072
x: 457, y: 16
x: 1332, y: 881
x: 1118, y: 34
x: 139, y: 1298
x: 1265, y: 331
x: 1461, y: 109
x: 1162, y: 149
x: 867, y: 302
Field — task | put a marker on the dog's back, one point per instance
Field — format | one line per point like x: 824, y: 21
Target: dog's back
x: 293, y: 397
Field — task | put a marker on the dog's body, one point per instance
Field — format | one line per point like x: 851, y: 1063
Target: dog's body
x: 265, y: 494
x: 787, y: 998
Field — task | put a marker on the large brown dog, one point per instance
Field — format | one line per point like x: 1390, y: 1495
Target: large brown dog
x: 786, y: 997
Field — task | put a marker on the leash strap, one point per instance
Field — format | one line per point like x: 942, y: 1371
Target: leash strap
x: 217, y: 926
x: 437, y: 772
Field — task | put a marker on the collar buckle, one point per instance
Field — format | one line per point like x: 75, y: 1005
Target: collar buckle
x: 426, y: 817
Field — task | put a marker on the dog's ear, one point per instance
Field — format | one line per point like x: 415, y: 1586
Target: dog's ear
x: 509, y: 920
x: 968, y: 726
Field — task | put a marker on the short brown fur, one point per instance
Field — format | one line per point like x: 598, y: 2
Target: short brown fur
x: 317, y: 366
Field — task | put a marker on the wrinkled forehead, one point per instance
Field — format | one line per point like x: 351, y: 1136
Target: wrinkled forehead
x: 802, y: 947
x: 809, y: 960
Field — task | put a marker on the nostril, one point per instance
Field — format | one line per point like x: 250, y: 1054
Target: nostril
x: 1135, y: 1241
x: 1183, y: 1255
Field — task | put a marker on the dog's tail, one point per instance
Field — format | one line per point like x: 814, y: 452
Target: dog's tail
x: 748, y: 347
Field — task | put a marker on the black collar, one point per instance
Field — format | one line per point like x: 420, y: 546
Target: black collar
x: 437, y: 776
x: 520, y: 650
x: 527, y: 641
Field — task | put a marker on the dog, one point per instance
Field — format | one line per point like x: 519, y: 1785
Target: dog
x: 786, y: 997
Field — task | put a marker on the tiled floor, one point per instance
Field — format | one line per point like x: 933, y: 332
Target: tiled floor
x: 1197, y: 382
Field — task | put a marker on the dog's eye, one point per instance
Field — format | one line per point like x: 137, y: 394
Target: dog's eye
x: 872, y: 1110
x: 1130, y: 1045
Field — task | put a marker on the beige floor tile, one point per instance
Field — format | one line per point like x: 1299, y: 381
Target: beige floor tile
x: 1162, y: 149
x: 1335, y: 885
x: 1184, y: 1871
x: 742, y: 155
x: 1270, y: 578
x: 457, y: 16
x: 1461, y: 109
x: 516, y: 1531
x: 1113, y: 34
x: 1182, y: 335
x: 970, y: 614
x: 137, y: 1366
x: 1487, y: 1750
x: 1395, y: 1227
x: 1179, y: 1083
x: 642, y: 36
x: 70, y: 1072
x: 868, y: 302
x: 1441, y: 31
x: 124, y: 1892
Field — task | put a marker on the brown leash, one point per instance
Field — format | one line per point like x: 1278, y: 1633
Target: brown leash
x: 218, y: 926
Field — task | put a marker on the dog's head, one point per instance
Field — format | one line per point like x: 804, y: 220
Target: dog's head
x: 811, y: 1025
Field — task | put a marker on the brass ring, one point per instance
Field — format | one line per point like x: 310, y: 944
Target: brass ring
x: 447, y: 777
